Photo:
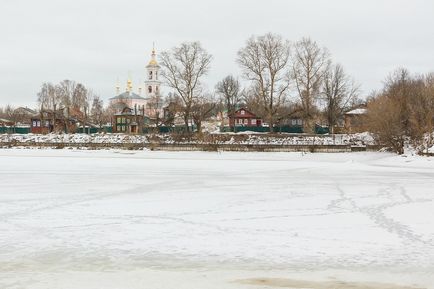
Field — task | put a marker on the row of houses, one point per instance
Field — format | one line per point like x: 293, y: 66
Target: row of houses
x: 134, y: 121
x: 353, y: 121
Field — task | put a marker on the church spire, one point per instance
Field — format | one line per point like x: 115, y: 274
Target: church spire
x: 129, y: 85
x: 153, y: 56
x: 117, y: 87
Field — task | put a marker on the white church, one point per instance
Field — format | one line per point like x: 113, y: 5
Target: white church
x: 135, y: 100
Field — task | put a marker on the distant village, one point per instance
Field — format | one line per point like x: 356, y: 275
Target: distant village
x: 138, y: 111
x: 284, y: 88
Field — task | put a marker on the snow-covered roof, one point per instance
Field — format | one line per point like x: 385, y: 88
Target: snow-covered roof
x: 358, y: 111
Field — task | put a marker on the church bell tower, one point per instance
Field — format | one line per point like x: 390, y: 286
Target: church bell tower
x: 152, y: 82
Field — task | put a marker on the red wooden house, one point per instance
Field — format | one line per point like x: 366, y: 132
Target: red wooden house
x: 47, y: 121
x: 243, y: 117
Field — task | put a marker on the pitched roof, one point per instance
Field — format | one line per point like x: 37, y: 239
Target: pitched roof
x: 128, y: 95
x: 358, y: 111
x: 247, y: 115
x: 5, y: 120
x: 26, y: 109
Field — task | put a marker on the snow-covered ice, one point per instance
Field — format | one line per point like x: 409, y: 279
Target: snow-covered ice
x: 123, y: 219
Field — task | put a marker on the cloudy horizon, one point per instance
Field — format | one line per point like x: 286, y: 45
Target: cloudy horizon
x: 98, y: 42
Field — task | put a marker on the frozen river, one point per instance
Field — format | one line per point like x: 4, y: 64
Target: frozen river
x: 126, y: 219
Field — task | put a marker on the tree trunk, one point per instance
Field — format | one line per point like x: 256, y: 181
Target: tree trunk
x: 186, y: 117
x: 271, y: 124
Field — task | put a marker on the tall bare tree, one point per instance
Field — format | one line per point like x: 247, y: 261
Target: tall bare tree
x: 97, y: 115
x: 310, y: 62
x: 48, y: 97
x: 183, y: 68
x: 229, y: 90
x: 339, y: 92
x: 49, y: 100
x: 80, y: 97
x: 264, y: 61
x: 66, y: 89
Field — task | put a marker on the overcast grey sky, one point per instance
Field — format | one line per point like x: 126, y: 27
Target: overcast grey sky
x: 96, y: 42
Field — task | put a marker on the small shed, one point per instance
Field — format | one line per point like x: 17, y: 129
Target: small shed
x: 356, y: 120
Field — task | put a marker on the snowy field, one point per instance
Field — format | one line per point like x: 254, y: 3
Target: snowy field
x: 128, y: 220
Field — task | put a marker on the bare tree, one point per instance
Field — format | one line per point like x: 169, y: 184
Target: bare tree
x: 97, y: 115
x: 264, y: 61
x: 384, y: 120
x: 48, y: 97
x: 66, y: 89
x: 254, y: 102
x: 388, y: 112
x: 421, y: 112
x: 172, y: 104
x: 229, y: 91
x: 155, y: 105
x: 202, y: 109
x: 310, y: 62
x: 183, y: 68
x: 339, y: 92
x: 404, y: 110
x: 9, y: 112
x: 49, y: 101
x: 80, y: 97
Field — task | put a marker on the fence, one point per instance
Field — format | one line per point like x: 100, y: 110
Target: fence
x: 13, y: 129
x: 276, y: 129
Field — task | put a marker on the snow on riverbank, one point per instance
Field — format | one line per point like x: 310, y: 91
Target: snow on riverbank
x: 118, y: 219
x: 360, y: 139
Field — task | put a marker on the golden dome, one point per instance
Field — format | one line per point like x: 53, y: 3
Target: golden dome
x: 153, y: 60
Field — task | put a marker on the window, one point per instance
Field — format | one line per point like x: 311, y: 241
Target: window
x: 293, y: 122
x: 118, y: 120
x: 123, y: 120
x: 243, y: 112
x: 299, y: 121
x: 38, y: 123
x: 150, y: 89
x: 156, y: 89
x: 253, y: 121
x: 156, y: 75
x: 34, y: 123
x: 150, y: 75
